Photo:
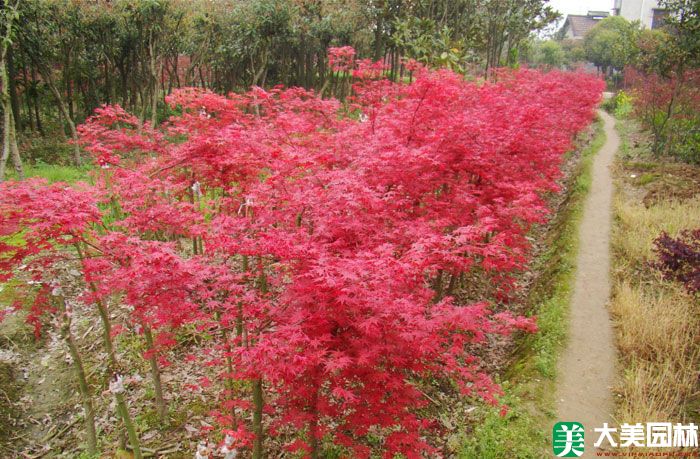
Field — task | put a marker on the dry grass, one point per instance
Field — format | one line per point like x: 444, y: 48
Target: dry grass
x: 639, y: 225
x: 657, y: 323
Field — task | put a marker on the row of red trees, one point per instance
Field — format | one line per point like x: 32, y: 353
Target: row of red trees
x: 321, y: 244
x: 667, y: 107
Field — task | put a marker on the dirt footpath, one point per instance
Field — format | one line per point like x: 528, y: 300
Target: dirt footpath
x: 587, y: 367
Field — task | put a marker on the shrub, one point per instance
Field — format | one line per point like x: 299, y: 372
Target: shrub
x: 679, y: 258
x: 620, y: 104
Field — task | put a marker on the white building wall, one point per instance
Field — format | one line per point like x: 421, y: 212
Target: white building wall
x: 638, y: 10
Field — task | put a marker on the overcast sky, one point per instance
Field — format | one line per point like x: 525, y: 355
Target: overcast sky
x: 581, y: 6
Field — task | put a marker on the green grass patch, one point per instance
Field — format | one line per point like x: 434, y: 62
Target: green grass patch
x: 642, y: 166
x: 529, y: 384
x: 647, y: 178
x: 53, y: 172
x: 56, y: 173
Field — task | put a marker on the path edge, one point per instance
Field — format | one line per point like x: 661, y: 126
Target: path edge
x: 529, y: 382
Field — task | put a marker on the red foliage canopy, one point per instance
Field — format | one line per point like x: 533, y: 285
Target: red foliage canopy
x: 321, y: 234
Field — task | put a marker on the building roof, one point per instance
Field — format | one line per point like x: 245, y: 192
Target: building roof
x: 580, y: 24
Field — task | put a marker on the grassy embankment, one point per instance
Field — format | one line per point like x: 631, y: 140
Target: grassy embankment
x: 530, y: 382
x: 657, y: 322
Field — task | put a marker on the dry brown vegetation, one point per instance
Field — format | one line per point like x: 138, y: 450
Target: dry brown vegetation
x: 657, y: 322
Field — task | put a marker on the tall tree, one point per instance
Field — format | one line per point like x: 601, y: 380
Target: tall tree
x: 8, y: 19
x: 41, y: 37
x: 612, y: 43
x: 505, y: 24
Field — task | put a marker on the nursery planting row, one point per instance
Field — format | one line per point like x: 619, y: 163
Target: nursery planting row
x: 319, y: 245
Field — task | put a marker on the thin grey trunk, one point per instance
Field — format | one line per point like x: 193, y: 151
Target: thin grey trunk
x: 85, y: 392
x: 113, y: 365
x: 258, y: 404
x: 9, y: 140
x: 14, y: 151
x: 12, y: 85
x: 5, y: 142
x: 48, y: 78
x: 161, y: 407
x: 154, y: 79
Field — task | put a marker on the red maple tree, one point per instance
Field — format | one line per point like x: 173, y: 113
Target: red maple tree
x: 322, y: 244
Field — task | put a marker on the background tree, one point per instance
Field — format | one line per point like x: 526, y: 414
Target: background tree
x: 683, y: 21
x: 665, y: 81
x: 575, y: 51
x: 9, y: 15
x: 612, y: 44
x: 46, y: 39
x: 505, y: 24
x: 71, y: 56
x: 547, y: 53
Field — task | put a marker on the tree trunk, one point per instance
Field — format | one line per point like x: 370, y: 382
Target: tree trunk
x: 14, y: 151
x: 112, y: 365
x: 379, y: 32
x: 69, y: 87
x: 668, y: 139
x: 62, y: 126
x: 48, y: 78
x: 123, y: 84
x: 201, y: 77
x: 257, y: 75
x: 161, y: 407
x: 5, y: 142
x: 437, y: 286
x: 130, y: 430
x: 154, y: 106
x: 258, y: 404
x: 35, y: 103
x: 108, y: 82
x: 452, y: 283
x: 9, y: 140
x: 27, y: 100
x: 85, y: 393
x: 153, y: 64
x: 14, y: 99
x: 313, y: 424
